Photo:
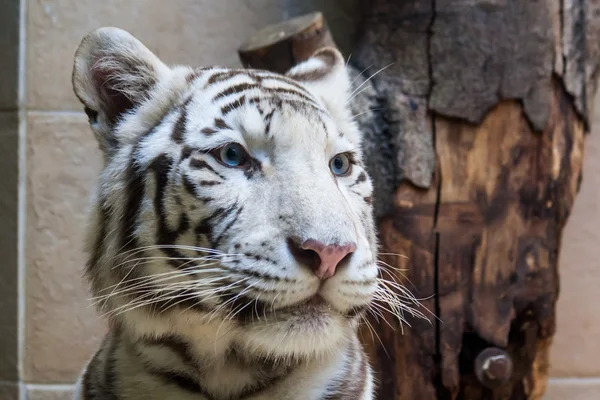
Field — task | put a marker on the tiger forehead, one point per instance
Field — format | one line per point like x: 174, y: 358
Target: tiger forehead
x: 247, y: 100
x: 234, y: 87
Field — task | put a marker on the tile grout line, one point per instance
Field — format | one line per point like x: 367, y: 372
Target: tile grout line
x: 22, y: 201
x: 69, y: 113
x: 50, y: 387
x: 585, y: 380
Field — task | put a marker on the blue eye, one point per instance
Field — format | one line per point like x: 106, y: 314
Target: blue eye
x: 232, y: 155
x: 340, y: 165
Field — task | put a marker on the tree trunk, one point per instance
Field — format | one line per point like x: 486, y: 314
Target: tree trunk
x: 474, y: 120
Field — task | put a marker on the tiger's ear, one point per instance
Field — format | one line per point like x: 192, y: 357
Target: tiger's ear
x: 113, y: 73
x: 325, y: 75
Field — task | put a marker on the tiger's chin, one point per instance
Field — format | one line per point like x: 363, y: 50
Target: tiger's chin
x: 309, y: 329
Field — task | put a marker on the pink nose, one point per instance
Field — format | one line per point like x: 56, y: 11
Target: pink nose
x: 330, y: 256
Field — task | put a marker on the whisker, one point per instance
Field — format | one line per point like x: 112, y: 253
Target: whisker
x: 360, y: 74
x: 151, y: 279
x: 353, y: 94
x: 373, y: 330
x: 369, y: 110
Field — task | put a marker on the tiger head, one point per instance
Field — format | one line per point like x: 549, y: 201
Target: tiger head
x: 229, y: 198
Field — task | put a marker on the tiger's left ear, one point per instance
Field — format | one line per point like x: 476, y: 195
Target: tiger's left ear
x: 325, y: 75
x: 113, y: 73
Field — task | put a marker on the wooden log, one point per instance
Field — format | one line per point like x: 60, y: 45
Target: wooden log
x: 503, y: 202
x: 279, y: 47
x: 474, y: 115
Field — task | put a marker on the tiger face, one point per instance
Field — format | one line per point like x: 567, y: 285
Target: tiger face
x: 231, y: 200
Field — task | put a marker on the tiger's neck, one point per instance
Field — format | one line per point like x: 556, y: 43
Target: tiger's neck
x: 206, y: 361
x: 174, y: 360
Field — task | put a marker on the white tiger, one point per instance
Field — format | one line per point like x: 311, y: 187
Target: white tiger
x: 231, y: 243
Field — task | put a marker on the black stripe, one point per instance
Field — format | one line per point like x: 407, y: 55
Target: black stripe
x: 219, y: 123
x: 268, y: 119
x: 302, y: 105
x: 268, y: 372
x: 324, y: 127
x: 236, y: 89
x: 224, y: 75
x: 233, y: 105
x: 135, y: 195
x: 165, y: 236
x: 257, y: 99
x: 179, y: 379
x: 193, y: 76
x: 256, y: 102
x: 361, y: 178
x: 110, y: 371
x: 277, y: 102
x: 135, y: 188
x: 217, y: 241
x: 273, y: 91
x: 192, y: 189
x: 207, y: 225
x: 209, y: 183
x: 176, y: 344
x: 179, y: 127
x: 287, y: 80
x: 135, y: 191
x: 89, y: 386
x: 196, y: 163
x: 197, y: 73
x: 185, y: 153
x: 189, y: 186
x: 290, y: 92
x: 99, y: 245
x: 208, y: 131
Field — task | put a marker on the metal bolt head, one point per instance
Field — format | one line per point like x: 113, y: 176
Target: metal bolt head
x: 493, y: 367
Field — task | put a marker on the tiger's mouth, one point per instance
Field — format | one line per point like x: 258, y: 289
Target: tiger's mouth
x: 317, y: 305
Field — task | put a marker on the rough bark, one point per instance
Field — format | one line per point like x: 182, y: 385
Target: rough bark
x: 474, y: 114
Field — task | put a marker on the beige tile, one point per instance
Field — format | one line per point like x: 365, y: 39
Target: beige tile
x: 576, y: 348
x: 196, y: 32
x: 573, y: 389
x: 62, y: 164
x: 9, y: 53
x: 9, y: 143
x: 9, y: 391
x: 40, y: 393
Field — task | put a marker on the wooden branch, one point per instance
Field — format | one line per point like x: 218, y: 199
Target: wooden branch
x: 279, y: 47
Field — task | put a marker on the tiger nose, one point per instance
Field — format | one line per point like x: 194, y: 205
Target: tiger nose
x: 323, y: 258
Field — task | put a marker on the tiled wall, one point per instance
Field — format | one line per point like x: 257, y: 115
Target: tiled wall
x: 49, y: 161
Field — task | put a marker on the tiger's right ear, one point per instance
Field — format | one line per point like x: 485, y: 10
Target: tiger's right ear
x: 113, y: 73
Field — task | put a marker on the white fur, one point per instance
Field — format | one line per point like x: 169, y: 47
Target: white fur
x: 295, y: 182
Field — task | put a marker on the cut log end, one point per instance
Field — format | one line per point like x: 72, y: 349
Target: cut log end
x: 279, y: 47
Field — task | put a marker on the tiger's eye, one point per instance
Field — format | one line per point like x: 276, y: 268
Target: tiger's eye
x: 340, y: 165
x: 233, y: 155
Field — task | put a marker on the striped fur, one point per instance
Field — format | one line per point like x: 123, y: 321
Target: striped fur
x: 189, y: 258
